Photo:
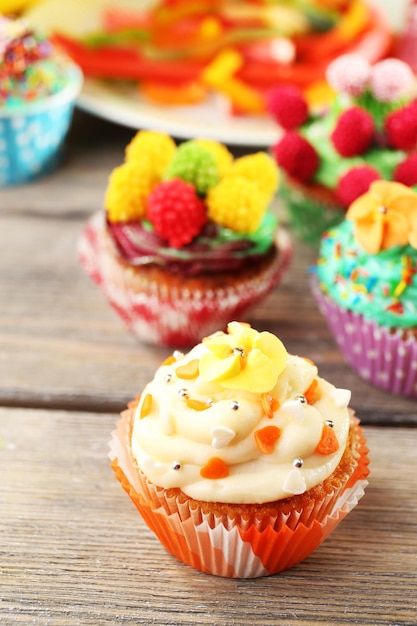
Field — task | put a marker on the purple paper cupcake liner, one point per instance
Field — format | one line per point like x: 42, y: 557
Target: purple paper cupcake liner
x: 380, y: 355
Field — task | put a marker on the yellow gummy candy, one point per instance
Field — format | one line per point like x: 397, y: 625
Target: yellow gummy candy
x: 129, y: 186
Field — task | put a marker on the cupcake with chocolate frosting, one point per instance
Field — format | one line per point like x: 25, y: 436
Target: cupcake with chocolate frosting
x: 330, y: 156
x: 366, y: 286
x: 239, y: 456
x: 187, y: 240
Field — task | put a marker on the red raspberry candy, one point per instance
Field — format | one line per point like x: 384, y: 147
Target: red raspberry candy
x: 296, y: 156
x: 401, y: 127
x: 355, y: 183
x: 176, y: 212
x: 354, y: 132
x: 406, y: 172
x: 288, y: 106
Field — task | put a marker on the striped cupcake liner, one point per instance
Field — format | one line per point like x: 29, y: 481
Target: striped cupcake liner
x: 171, y: 314
x: 227, y: 547
x: 378, y: 354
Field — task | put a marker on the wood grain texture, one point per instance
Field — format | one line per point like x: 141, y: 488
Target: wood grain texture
x: 73, y: 549
x: 61, y: 346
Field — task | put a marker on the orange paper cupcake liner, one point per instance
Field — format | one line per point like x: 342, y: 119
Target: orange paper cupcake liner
x: 222, y: 546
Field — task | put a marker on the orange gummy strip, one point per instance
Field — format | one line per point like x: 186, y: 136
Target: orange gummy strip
x: 215, y: 468
x: 328, y: 442
x: 266, y: 438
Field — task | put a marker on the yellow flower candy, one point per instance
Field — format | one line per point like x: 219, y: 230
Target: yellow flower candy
x: 216, y: 369
x: 157, y: 147
x: 129, y: 186
x: 243, y: 359
x: 385, y: 216
x: 236, y: 204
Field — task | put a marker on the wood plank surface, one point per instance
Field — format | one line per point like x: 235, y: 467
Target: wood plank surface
x: 61, y: 346
x: 73, y: 549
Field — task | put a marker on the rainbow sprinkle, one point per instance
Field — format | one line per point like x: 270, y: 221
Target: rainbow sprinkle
x: 407, y: 274
x: 28, y: 71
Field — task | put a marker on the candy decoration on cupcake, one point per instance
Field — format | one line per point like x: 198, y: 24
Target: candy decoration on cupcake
x: 189, y: 237
x: 385, y: 217
x: 194, y: 205
x: 331, y: 156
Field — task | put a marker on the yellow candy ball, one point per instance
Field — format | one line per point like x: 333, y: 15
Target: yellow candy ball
x: 260, y: 169
x: 129, y: 186
x: 236, y: 204
x: 157, y: 147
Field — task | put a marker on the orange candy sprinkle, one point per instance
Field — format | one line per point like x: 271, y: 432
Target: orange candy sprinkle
x: 215, y: 468
x: 269, y: 404
x: 313, y: 393
x: 328, y: 442
x: 146, y: 407
x: 170, y: 359
x: 188, y: 371
x: 266, y: 438
x: 197, y: 405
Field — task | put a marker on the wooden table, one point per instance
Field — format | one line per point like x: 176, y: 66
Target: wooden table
x: 73, y: 550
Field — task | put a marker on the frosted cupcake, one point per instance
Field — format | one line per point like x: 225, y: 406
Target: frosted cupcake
x: 187, y: 240
x: 330, y: 157
x: 239, y: 457
x: 38, y: 88
x: 367, y: 286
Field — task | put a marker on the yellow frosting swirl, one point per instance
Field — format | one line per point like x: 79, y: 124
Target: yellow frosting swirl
x: 238, y: 433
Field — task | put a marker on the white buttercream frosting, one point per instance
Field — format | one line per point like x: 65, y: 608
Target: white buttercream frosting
x: 182, y: 424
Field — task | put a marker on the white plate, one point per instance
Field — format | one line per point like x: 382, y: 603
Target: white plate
x: 123, y: 104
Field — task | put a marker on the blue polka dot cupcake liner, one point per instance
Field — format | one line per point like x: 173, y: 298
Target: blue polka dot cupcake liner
x: 32, y: 136
x: 382, y: 356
